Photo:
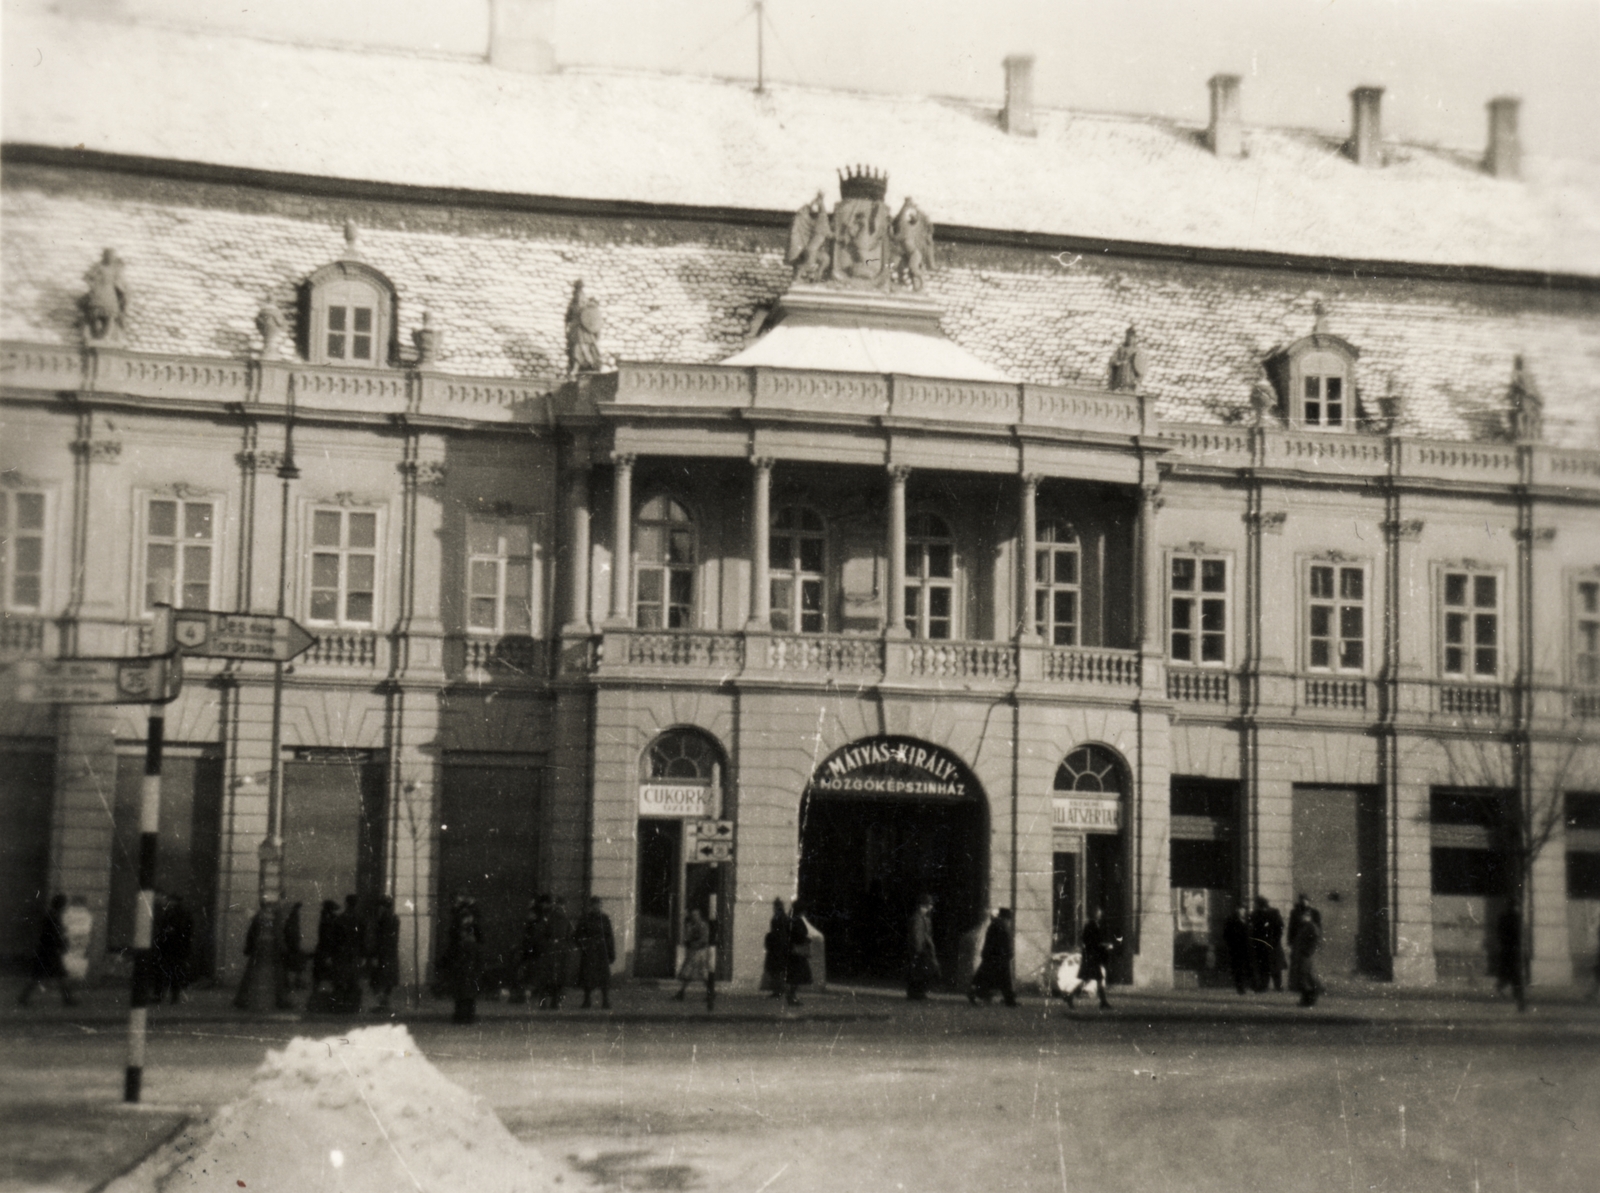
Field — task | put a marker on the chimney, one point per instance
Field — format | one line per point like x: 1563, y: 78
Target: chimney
x: 1504, y: 159
x: 1366, y: 129
x: 1017, y: 118
x: 520, y: 35
x: 1226, y: 134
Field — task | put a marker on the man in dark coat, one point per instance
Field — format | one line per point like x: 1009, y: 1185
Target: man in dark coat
x: 1266, y: 945
x: 529, y: 978
x: 1096, y: 944
x: 1509, y: 965
x: 1305, y: 934
x: 172, y: 938
x: 994, y: 966
x: 1236, y: 939
x: 294, y: 958
x: 556, y: 955
x: 327, y: 948
x: 597, y: 953
x: 922, y: 963
x: 463, y: 956
x: 348, y: 953
x: 383, y: 957
x: 797, y: 966
x: 47, y: 965
x: 776, y: 966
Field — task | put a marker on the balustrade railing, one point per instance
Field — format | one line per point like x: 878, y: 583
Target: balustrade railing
x: 1471, y: 700
x: 1206, y: 687
x: 678, y: 648
x: 22, y: 635
x: 1586, y: 705
x: 1089, y: 665
x: 824, y: 653
x: 515, y: 655
x: 342, y: 648
x: 1336, y: 693
x: 963, y: 660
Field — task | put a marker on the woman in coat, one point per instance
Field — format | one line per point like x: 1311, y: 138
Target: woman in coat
x: 775, y: 970
x: 797, y: 964
x: 697, y: 959
x: 597, y: 953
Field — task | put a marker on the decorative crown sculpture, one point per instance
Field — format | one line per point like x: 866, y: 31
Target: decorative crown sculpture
x: 863, y: 182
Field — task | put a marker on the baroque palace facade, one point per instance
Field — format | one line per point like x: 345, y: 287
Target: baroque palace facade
x: 1191, y: 514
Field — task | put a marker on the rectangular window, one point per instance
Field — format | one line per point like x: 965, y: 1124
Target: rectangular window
x: 21, y: 550
x: 499, y: 576
x: 1586, y: 634
x: 1471, y: 625
x: 1324, y: 402
x: 178, y: 553
x: 344, y: 567
x: 349, y: 333
x: 1056, y: 593
x: 1337, y: 613
x: 1199, y: 604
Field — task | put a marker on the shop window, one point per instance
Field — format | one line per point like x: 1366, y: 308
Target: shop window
x: 1199, y: 609
x: 1583, y: 844
x: 1471, y: 646
x: 797, y: 559
x: 1057, y: 580
x: 930, y: 595
x: 22, y: 543
x: 344, y: 567
x: 499, y: 576
x: 178, y: 553
x: 1336, y: 608
x: 664, y: 566
x: 1469, y: 841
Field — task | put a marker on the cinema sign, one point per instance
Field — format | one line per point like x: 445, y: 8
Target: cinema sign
x: 893, y: 768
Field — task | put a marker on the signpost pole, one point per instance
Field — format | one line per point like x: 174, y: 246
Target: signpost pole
x: 143, y: 980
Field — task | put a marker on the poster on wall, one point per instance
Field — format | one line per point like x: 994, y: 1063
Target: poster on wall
x: 1193, y: 908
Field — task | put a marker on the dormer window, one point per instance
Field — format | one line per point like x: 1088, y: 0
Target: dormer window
x: 348, y: 316
x: 1315, y: 382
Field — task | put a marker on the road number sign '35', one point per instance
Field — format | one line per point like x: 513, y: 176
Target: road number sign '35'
x: 208, y: 634
x: 154, y: 680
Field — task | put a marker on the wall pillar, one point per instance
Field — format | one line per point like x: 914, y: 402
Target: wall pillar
x: 760, y: 621
x: 577, y: 618
x: 1027, y: 548
x: 894, y: 620
x: 621, y: 540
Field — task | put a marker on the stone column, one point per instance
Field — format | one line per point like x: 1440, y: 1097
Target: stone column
x: 894, y: 623
x: 1027, y: 548
x: 1151, y: 587
x: 577, y: 621
x: 760, y: 527
x: 621, y: 540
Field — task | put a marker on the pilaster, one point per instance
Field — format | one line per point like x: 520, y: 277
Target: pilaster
x: 81, y: 831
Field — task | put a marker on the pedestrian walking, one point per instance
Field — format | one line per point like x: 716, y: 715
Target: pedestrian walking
x: 558, y: 959
x: 696, y: 965
x: 172, y: 939
x: 383, y: 957
x: 529, y: 976
x: 775, y: 969
x: 349, y: 951
x: 463, y: 956
x: 294, y: 958
x: 268, y: 921
x: 922, y: 961
x: 1305, y: 934
x: 1511, y: 965
x: 1267, y: 961
x: 50, y: 947
x: 1236, y: 940
x: 597, y: 953
x: 797, y: 964
x: 1096, y: 944
x: 994, y: 966
x: 326, y: 949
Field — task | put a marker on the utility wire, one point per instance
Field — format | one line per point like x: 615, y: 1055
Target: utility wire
x: 707, y: 44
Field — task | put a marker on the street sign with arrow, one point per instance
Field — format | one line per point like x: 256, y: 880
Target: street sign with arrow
x: 208, y: 634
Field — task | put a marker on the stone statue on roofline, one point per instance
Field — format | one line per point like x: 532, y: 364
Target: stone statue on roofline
x: 1263, y: 398
x: 913, y: 241
x: 269, y: 322
x: 1527, y: 404
x: 105, y: 306
x: 1127, y: 363
x: 584, y: 323
x: 810, y: 236
x: 429, y: 341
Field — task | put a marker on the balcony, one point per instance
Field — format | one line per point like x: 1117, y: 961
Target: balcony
x: 513, y: 658
x: 1470, y: 700
x: 24, y: 637
x: 344, y: 650
x: 1336, y: 694
x: 1201, y: 687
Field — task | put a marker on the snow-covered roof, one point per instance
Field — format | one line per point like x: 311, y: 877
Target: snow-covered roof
x: 158, y: 92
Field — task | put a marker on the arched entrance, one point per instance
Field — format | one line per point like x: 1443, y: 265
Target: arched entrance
x: 1090, y: 801
x: 884, y: 820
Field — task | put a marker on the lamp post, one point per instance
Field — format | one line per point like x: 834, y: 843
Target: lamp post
x: 268, y: 986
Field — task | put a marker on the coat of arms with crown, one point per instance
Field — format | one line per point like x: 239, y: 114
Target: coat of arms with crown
x: 860, y: 246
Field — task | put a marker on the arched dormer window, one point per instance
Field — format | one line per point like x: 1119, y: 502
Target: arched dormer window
x: 347, y: 316
x: 664, y: 554
x: 1316, y: 382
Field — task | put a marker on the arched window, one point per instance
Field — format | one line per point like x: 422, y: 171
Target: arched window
x: 681, y: 756
x: 930, y: 595
x: 664, y: 553
x: 797, y: 558
x: 1056, y: 577
x: 1092, y: 770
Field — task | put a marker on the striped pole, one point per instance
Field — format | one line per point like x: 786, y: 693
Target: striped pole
x: 144, y: 915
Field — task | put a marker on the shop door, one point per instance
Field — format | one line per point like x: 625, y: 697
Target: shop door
x: 333, y: 824
x: 655, y: 926
x: 1104, y: 886
x: 1065, y: 915
x: 1338, y: 862
x: 27, y: 786
x: 488, y: 850
x: 188, y: 846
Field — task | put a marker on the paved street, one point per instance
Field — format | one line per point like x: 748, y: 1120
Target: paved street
x: 1181, y: 1090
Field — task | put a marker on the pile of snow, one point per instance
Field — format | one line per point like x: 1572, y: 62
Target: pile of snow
x: 360, y: 1113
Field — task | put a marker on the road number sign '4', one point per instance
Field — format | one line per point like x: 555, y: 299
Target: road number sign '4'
x: 97, y: 681
x: 208, y: 634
